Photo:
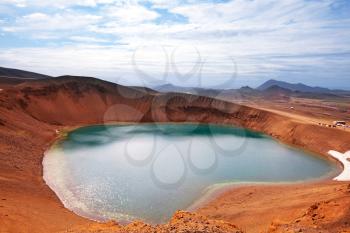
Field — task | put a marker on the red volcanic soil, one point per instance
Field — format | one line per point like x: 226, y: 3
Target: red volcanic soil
x: 31, y: 112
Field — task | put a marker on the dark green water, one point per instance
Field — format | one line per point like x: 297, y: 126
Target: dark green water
x: 149, y: 171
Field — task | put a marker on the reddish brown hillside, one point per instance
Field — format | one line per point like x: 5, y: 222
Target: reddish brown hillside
x: 32, y: 111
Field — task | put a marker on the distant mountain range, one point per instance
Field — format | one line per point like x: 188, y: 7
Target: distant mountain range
x: 270, y: 88
x: 299, y: 87
x: 20, y: 74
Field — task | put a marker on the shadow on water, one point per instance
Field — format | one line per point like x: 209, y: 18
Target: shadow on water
x: 92, y: 136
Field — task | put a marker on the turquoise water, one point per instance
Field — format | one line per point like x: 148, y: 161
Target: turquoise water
x: 149, y: 171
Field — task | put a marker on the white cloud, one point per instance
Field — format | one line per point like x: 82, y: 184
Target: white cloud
x: 44, y: 26
x: 252, y: 32
x: 131, y: 13
x: 18, y: 3
x: 164, y: 4
x: 56, y: 3
x: 88, y: 39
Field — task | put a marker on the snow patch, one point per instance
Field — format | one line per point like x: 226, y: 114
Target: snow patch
x: 344, y: 159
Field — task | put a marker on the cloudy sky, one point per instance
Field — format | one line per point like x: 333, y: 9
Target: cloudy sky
x: 185, y: 42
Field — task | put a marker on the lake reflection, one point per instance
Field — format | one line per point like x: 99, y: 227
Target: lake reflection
x: 149, y: 171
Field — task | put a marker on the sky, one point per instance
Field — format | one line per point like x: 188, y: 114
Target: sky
x: 207, y: 43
